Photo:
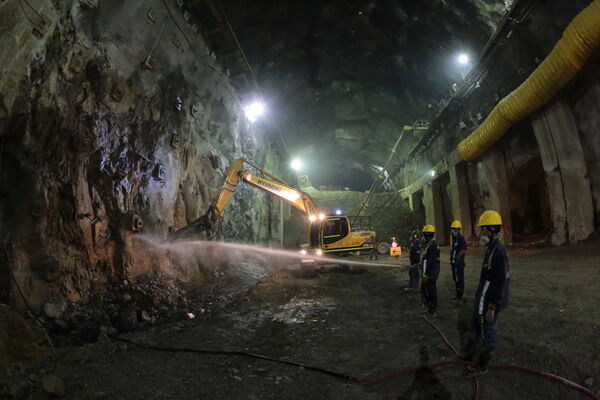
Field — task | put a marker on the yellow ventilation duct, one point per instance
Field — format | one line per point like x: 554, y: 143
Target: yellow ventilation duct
x: 578, y: 43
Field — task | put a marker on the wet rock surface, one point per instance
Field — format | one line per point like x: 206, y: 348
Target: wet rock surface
x: 111, y: 127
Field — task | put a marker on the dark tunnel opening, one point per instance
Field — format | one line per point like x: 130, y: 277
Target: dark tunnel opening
x: 530, y: 206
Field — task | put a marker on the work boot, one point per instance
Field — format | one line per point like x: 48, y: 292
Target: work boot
x: 481, y: 368
x: 475, y: 371
x: 469, y: 351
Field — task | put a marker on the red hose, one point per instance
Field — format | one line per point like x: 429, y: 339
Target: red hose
x: 412, y: 369
x: 550, y: 376
x: 543, y: 374
x: 445, y: 339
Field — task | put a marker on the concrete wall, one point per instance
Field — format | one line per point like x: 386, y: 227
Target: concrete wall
x: 543, y: 176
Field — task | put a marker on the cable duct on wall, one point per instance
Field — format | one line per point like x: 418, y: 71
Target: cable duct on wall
x: 578, y: 43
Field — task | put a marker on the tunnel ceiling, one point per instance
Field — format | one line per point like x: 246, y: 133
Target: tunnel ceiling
x: 341, y: 78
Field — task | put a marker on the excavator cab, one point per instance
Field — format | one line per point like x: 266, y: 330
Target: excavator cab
x: 334, y: 234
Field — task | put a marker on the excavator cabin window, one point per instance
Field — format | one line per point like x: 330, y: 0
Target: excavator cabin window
x: 334, y: 229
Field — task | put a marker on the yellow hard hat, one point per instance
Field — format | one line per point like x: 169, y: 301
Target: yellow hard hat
x: 428, y: 229
x: 456, y: 224
x: 489, y: 217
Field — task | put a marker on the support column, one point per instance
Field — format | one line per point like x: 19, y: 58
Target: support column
x: 493, y: 186
x: 434, y: 210
x: 459, y: 191
x: 281, y: 205
x: 412, y: 201
x: 566, y: 173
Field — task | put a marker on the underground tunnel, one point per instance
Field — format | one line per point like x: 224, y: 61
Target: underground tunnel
x: 319, y: 199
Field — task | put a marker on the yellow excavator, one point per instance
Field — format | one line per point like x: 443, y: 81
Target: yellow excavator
x: 326, y: 233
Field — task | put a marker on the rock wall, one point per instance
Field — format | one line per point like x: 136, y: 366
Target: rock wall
x: 115, y: 119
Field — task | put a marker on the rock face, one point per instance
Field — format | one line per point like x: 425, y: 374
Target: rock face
x: 345, y: 77
x: 114, y: 121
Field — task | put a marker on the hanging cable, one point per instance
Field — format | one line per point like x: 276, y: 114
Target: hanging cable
x: 373, y: 188
x: 211, y: 67
x: 22, y: 295
x: 254, y: 80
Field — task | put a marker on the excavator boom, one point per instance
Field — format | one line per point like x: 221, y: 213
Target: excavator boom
x: 235, y: 172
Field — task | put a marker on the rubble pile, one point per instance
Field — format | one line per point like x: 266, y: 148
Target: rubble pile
x: 127, y: 305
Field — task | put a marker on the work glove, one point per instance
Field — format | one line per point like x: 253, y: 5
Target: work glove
x: 424, y: 279
x: 489, y: 315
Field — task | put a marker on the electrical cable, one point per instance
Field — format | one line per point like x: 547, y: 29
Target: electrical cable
x: 12, y: 275
x: 220, y: 73
x: 256, y: 85
x: 27, y: 15
x: 36, y: 11
x: 232, y: 353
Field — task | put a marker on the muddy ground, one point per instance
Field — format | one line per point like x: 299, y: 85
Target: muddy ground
x: 362, y: 324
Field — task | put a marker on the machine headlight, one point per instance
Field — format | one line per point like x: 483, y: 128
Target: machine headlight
x: 303, y: 252
x: 319, y: 252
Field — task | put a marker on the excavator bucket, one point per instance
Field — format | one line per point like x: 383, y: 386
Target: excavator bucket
x: 194, y: 230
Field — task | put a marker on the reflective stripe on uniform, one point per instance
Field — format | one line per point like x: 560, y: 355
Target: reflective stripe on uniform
x: 482, y: 298
x: 425, y: 267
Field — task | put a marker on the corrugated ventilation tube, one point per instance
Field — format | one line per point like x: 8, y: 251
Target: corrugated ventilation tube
x: 578, y: 43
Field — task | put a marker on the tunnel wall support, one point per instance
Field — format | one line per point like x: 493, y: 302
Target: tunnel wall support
x: 586, y: 110
x: 413, y: 198
x: 493, y: 186
x: 434, y: 210
x: 566, y: 173
x: 459, y: 188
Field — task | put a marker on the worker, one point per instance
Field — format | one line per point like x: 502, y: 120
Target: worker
x: 457, y: 258
x: 374, y: 254
x: 491, y: 296
x: 430, y: 269
x: 395, y: 248
x: 415, y: 260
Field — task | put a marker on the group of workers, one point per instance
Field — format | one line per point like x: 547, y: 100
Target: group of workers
x: 492, y: 293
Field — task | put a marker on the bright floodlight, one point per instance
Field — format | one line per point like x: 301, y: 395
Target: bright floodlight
x: 432, y: 173
x: 296, y: 164
x: 338, y: 212
x: 463, y: 59
x: 254, y: 110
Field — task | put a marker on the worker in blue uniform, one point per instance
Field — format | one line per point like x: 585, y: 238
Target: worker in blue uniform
x: 415, y: 260
x: 430, y: 269
x: 491, y: 296
x: 457, y: 258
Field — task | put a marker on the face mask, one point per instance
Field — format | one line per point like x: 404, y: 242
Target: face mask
x: 484, y: 240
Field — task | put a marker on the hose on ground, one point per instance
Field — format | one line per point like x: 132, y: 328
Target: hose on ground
x: 352, y: 378
x: 232, y: 353
x: 520, y: 368
x: 456, y: 353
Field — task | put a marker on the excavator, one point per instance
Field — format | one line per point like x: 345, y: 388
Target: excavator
x: 325, y: 233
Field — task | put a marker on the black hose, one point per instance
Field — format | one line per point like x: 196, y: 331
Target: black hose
x: 233, y: 353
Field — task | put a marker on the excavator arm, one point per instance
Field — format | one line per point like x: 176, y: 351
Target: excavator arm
x: 270, y: 184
